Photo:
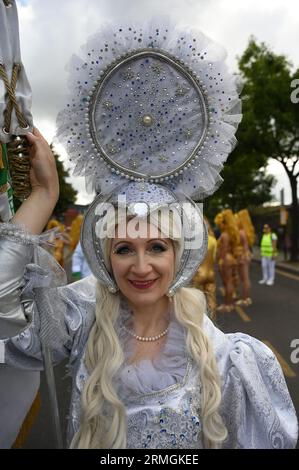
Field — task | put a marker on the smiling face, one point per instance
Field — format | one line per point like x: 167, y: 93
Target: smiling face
x: 143, y: 267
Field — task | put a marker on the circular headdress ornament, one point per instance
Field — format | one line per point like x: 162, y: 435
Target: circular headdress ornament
x: 152, y: 104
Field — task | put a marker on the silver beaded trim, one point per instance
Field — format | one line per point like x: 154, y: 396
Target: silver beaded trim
x: 20, y: 234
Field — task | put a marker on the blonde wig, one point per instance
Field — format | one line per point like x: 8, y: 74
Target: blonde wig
x: 227, y: 222
x: 210, y: 230
x: 103, y: 418
x: 244, y: 221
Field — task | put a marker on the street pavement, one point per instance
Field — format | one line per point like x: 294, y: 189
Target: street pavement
x: 273, y: 318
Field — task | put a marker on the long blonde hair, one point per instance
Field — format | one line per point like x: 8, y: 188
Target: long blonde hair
x: 243, y: 218
x: 227, y: 220
x: 103, y: 418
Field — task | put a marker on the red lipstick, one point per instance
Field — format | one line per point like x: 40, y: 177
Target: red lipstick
x: 142, y: 284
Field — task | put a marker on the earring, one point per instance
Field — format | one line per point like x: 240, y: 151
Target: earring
x: 170, y: 292
x: 112, y: 289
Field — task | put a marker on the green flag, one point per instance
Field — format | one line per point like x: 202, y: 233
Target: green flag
x: 6, y: 193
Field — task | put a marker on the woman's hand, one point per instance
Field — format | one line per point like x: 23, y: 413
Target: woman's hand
x: 43, y: 172
x: 37, y: 209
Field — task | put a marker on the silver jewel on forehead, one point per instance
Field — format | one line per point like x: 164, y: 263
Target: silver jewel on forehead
x: 138, y: 209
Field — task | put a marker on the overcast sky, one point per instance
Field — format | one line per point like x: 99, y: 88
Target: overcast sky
x: 52, y: 30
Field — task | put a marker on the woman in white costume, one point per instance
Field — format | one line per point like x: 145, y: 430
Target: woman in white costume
x: 18, y: 388
x: 150, y: 129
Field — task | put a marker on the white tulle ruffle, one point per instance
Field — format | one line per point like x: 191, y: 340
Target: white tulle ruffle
x: 194, y: 51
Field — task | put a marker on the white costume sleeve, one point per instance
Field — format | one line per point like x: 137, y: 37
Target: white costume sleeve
x: 256, y: 405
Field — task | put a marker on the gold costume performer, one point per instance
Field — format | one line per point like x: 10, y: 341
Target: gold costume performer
x: 247, y: 236
x: 204, y: 279
x: 59, y: 243
x: 227, y: 246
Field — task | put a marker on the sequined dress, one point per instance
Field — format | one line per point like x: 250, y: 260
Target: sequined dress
x: 162, y: 396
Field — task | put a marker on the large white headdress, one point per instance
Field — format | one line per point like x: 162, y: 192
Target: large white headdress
x: 150, y: 106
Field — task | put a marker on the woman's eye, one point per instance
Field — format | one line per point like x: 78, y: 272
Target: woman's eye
x: 158, y: 248
x: 155, y: 248
x: 122, y: 250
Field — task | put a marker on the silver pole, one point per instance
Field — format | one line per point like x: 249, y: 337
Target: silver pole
x: 55, y: 417
x: 39, y: 294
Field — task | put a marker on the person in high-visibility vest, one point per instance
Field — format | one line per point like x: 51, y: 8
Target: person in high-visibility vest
x: 268, y: 255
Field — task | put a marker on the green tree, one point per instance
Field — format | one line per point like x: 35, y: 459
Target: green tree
x: 245, y: 183
x: 67, y: 194
x: 270, y: 126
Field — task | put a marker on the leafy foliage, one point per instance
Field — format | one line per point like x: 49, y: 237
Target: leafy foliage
x: 67, y: 194
x: 270, y: 117
x: 269, y: 129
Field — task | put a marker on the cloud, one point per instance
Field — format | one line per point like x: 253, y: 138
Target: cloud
x: 51, y: 31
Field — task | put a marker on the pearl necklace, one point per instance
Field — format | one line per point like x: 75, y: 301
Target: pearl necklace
x: 146, y: 338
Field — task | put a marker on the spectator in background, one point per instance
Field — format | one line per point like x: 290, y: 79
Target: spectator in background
x: 80, y: 268
x: 268, y: 255
x: 61, y: 244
